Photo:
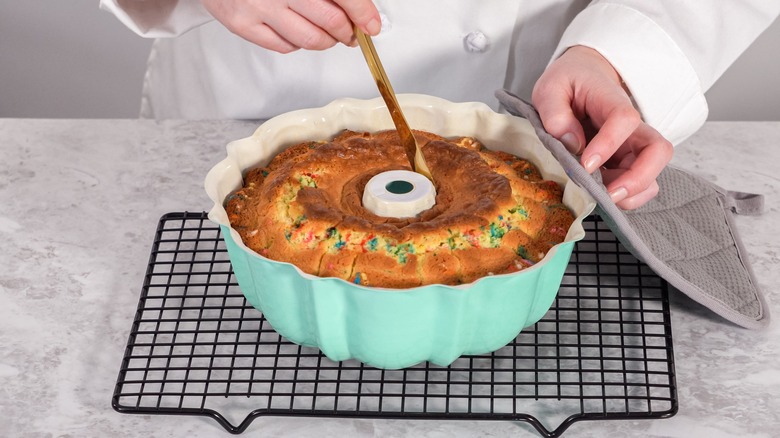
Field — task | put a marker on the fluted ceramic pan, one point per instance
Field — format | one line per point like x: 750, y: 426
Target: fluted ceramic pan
x: 392, y: 328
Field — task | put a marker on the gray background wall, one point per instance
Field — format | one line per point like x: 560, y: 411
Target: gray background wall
x: 68, y: 59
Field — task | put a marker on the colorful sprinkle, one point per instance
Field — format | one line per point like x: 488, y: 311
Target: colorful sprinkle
x: 472, y: 238
x: 520, y: 211
x: 401, y: 251
x: 371, y: 244
x: 522, y: 252
x: 307, y: 180
x: 233, y: 196
x: 557, y: 230
x: 496, y: 232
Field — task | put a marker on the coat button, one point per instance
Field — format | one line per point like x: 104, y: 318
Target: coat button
x: 476, y: 41
x: 386, y: 25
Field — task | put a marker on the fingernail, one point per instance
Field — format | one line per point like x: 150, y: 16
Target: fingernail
x: 592, y: 163
x: 570, y: 141
x: 373, y: 27
x: 618, y: 194
x: 353, y: 42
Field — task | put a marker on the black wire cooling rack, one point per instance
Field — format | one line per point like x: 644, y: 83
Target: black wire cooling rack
x: 602, y: 352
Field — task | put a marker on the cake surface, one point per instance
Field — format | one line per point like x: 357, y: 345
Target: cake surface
x: 494, y: 212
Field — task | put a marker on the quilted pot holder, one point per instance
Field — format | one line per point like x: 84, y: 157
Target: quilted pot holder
x: 685, y: 234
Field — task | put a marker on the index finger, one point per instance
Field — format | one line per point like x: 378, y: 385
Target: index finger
x: 653, y: 153
x: 616, y: 119
x: 554, y: 104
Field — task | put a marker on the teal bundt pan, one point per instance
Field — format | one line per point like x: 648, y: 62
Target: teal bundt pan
x: 392, y: 328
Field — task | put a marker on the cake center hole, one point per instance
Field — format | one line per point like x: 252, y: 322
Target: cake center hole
x: 399, y: 187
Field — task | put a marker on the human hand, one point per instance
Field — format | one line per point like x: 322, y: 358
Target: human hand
x: 288, y: 25
x: 582, y: 102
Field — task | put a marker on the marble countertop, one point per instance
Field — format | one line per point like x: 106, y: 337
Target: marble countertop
x: 80, y: 204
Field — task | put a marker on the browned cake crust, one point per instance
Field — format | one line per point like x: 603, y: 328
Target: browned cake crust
x: 494, y: 213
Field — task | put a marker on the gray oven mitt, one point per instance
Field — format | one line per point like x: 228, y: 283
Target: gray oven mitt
x: 685, y: 234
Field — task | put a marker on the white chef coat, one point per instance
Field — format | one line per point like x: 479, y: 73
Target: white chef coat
x: 668, y: 52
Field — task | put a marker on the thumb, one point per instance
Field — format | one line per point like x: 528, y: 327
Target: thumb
x: 363, y: 13
x: 554, y: 105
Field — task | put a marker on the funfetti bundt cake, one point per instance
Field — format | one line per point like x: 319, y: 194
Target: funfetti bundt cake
x: 494, y: 212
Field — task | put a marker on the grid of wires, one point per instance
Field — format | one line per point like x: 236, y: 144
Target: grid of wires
x: 603, y: 351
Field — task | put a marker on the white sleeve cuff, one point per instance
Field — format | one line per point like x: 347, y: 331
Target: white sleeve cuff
x: 158, y: 18
x: 663, y: 83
